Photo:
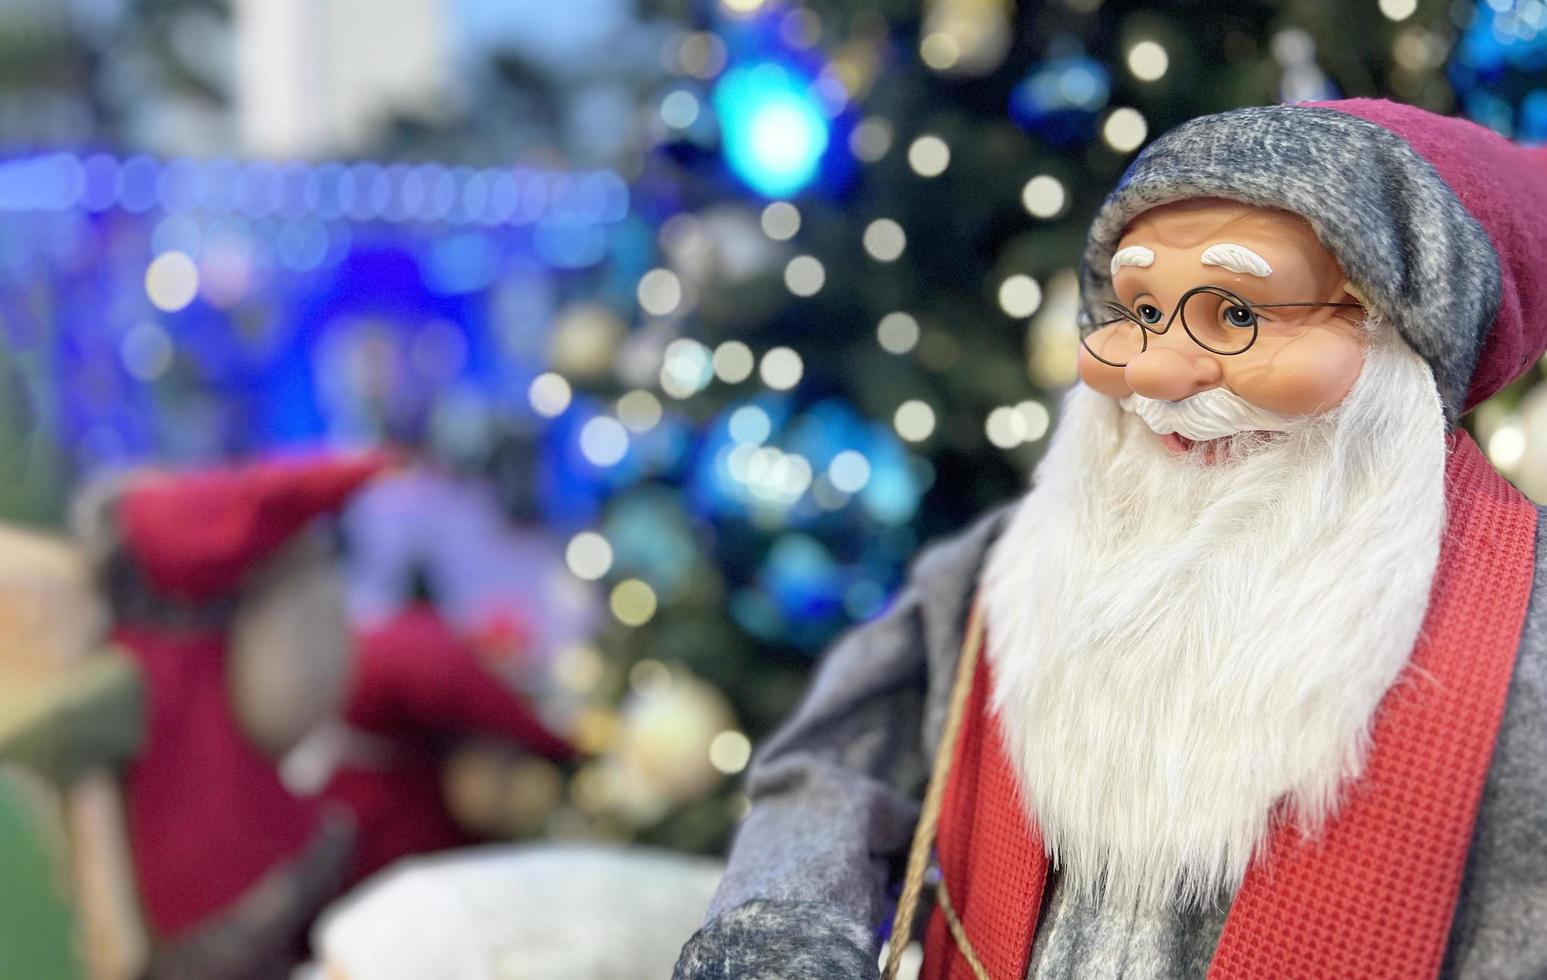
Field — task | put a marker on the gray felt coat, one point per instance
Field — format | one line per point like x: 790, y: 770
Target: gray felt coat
x: 836, y: 793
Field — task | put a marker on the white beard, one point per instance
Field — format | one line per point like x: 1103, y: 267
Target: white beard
x: 1181, y: 649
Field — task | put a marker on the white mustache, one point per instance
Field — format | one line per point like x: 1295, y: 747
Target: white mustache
x: 1212, y: 414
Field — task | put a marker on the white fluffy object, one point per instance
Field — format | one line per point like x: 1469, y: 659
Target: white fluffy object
x: 540, y: 912
x: 1186, y: 653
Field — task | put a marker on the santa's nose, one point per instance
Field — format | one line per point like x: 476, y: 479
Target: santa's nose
x: 1168, y: 374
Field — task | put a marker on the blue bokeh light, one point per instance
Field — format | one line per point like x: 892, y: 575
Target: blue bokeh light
x: 773, y: 128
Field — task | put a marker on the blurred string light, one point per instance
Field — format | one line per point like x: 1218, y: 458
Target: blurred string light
x: 965, y: 37
x: 331, y: 191
x: 639, y: 410
x: 774, y: 131
x: 800, y: 28
x: 749, y: 425
x: 1019, y: 296
x: 1125, y: 129
x: 804, y: 275
x: 780, y: 221
x: 603, y: 441
x: 1303, y: 80
x: 633, y: 602
x: 897, y: 333
x: 884, y: 240
x: 741, y: 8
x: 729, y: 752
x: 733, y: 362
x: 679, y: 109
x: 1398, y: 10
x: 781, y: 369
x: 1044, y: 196
x: 1148, y: 61
x: 1010, y: 426
x: 1507, y: 445
x: 871, y: 139
x: 171, y: 281
x: 914, y: 420
x: 1060, y: 97
x: 549, y: 394
x: 588, y: 555
x: 146, y: 351
x: 1053, y: 336
x: 701, y: 54
x: 929, y: 155
x: 660, y: 292
x: 686, y: 368
x: 849, y: 471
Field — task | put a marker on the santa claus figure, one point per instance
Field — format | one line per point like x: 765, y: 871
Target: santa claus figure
x: 1251, y: 682
x: 225, y: 593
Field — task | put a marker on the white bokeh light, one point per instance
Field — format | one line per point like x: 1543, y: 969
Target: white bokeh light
x: 639, y: 410
x: 171, y: 281
x: 1044, y: 196
x: 729, y: 752
x: 1006, y: 428
x: 680, y: 109
x: 898, y: 332
x: 884, y: 239
x: 804, y: 275
x: 733, y: 362
x: 1019, y: 296
x: 871, y: 139
x: 660, y: 292
x: 604, y: 441
x: 1148, y: 61
x: 1398, y: 9
x: 914, y: 420
x: 929, y: 156
x: 1124, y: 130
x: 549, y: 394
x: 1037, y: 419
x: 686, y: 368
x: 781, y: 368
x: 588, y: 555
x: 780, y: 221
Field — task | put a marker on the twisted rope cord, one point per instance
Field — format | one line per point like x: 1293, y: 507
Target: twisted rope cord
x: 929, y: 819
x: 959, y: 933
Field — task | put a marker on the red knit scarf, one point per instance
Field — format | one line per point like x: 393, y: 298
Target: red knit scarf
x: 1374, y: 895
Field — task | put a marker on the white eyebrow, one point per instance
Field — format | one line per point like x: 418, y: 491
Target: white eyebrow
x: 1237, y: 258
x: 1136, y: 255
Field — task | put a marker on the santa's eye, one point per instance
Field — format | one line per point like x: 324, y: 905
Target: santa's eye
x: 1149, y: 313
x: 1240, y: 316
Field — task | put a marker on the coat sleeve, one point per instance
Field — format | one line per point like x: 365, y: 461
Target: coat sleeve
x: 835, y: 792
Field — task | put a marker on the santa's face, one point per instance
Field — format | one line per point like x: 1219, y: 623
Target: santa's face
x: 1184, y: 653
x: 1210, y: 338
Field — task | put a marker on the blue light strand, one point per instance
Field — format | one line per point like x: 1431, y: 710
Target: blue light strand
x: 365, y: 191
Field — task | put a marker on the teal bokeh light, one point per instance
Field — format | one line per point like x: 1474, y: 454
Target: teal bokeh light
x: 772, y: 128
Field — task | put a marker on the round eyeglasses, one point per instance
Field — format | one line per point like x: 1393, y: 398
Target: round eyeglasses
x: 1218, y: 320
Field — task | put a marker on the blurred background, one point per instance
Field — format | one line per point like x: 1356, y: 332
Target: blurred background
x: 689, y: 319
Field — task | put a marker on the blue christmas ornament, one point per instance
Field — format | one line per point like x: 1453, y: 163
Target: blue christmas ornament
x: 1059, y: 98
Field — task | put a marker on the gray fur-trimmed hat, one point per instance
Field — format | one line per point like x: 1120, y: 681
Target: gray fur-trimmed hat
x: 1440, y: 223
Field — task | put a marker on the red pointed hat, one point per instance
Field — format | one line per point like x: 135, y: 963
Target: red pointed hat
x: 194, y: 536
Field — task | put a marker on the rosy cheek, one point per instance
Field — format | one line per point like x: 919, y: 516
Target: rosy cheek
x: 1102, y: 377
x: 1308, y: 375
